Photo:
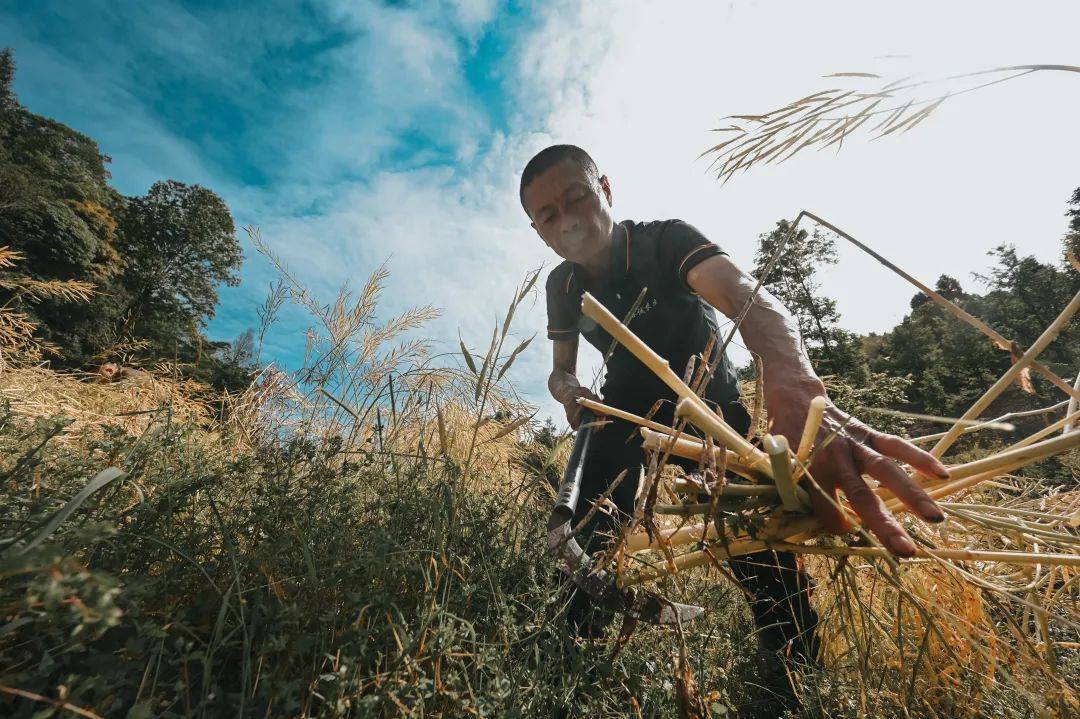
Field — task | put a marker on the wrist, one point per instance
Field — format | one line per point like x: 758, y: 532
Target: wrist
x: 792, y: 385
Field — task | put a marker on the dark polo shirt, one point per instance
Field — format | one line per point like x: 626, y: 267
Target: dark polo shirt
x: 672, y: 319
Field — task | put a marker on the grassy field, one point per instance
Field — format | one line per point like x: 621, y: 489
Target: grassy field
x: 333, y: 549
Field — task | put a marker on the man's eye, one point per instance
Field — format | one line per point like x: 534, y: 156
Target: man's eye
x: 577, y: 195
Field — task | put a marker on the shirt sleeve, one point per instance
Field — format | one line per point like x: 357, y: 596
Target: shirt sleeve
x: 683, y: 247
x: 562, y: 308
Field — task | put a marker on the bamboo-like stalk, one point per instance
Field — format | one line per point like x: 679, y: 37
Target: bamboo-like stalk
x: 1048, y: 336
x: 963, y: 555
x: 731, y: 439
x: 1016, y: 457
x: 729, y: 489
x: 786, y: 530
x: 706, y: 421
x: 776, y: 447
x: 990, y: 424
x: 1072, y: 404
x: 727, y: 500
x: 690, y: 560
x: 965, y: 423
x: 962, y: 477
x: 1045, y: 516
x: 777, y: 528
x: 966, y: 476
x: 814, y: 417
x: 607, y: 409
x: 1049, y: 429
x: 951, y: 307
x: 693, y: 448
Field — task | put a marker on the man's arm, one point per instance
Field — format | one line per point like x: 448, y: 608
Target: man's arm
x: 789, y: 382
x: 563, y: 382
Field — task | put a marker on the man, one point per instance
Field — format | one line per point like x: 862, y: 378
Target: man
x: 569, y: 203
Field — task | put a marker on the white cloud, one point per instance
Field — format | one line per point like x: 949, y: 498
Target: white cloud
x: 990, y: 167
x: 639, y: 84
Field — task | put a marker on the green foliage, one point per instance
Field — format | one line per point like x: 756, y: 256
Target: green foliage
x: 179, y: 242
x: 1073, y: 213
x: 294, y: 582
x: 833, y: 351
x: 155, y: 261
x: 951, y: 364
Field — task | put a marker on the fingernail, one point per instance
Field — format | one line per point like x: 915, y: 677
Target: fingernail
x: 934, y: 515
x: 902, y: 546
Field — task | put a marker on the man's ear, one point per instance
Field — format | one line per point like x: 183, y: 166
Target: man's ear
x: 605, y: 185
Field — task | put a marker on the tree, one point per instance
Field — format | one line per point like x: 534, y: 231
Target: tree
x: 833, y: 351
x: 7, y: 78
x: 951, y: 363
x: 153, y: 262
x: 57, y: 212
x: 1074, y: 211
x: 179, y: 242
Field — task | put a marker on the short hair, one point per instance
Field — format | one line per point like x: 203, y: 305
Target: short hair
x: 548, y: 158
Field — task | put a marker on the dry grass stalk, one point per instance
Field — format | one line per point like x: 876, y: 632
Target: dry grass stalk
x: 996, y: 337
x: 826, y: 118
x: 1044, y: 340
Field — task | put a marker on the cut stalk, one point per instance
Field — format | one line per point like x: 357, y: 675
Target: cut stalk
x: 962, y: 555
x: 991, y: 424
x: 706, y: 421
x: 730, y: 489
x: 780, y: 457
x: 659, y: 366
x: 966, y: 476
x: 693, y: 448
x: 691, y: 560
x: 814, y: 417
x: 623, y: 414
x: 1016, y: 457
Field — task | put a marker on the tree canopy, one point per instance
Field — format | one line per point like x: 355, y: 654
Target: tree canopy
x: 154, y: 262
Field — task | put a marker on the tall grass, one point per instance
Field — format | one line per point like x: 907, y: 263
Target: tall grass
x: 361, y: 537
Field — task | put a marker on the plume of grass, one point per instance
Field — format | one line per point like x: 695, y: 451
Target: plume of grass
x: 828, y: 117
x: 17, y: 341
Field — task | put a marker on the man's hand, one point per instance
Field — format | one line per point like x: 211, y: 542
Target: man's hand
x: 769, y: 331
x: 857, y: 450
x: 571, y: 406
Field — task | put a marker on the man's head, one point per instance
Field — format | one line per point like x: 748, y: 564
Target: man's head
x: 568, y: 201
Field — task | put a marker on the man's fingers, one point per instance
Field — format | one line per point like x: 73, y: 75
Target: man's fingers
x: 875, y: 516
x: 905, y: 451
x: 898, y: 482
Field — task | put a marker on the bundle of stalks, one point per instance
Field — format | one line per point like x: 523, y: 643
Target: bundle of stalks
x: 980, y: 611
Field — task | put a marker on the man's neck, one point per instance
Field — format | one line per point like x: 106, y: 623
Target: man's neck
x: 598, y: 266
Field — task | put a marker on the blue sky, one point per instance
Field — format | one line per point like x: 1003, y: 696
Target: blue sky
x: 283, y: 108
x: 354, y: 132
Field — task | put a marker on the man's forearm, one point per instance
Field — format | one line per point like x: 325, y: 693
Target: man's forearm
x: 768, y: 329
x: 770, y: 332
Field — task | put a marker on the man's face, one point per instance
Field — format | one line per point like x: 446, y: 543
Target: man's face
x: 570, y: 211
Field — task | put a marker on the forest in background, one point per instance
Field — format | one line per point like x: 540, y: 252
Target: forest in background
x: 145, y: 270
